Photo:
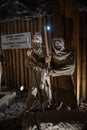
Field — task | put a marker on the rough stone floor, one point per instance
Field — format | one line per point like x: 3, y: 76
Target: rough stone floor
x: 12, y: 119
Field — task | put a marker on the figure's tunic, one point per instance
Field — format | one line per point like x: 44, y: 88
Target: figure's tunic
x: 63, y: 65
x: 62, y: 68
x: 37, y: 61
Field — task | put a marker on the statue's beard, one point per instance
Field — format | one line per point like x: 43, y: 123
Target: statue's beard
x: 58, y: 49
x: 37, y: 47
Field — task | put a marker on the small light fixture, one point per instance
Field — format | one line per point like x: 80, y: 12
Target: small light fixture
x: 49, y: 27
x: 22, y: 88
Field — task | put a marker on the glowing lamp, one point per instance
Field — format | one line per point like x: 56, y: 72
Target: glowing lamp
x: 49, y: 28
x: 22, y: 88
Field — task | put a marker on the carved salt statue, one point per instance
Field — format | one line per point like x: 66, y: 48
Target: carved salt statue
x: 62, y: 68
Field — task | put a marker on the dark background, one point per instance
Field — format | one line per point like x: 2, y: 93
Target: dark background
x: 29, y: 8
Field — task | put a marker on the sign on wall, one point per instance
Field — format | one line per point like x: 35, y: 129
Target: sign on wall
x: 16, y: 41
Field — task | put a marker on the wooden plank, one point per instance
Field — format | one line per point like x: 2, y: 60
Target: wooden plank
x: 20, y: 62
x: 17, y: 58
x: 49, y: 33
x: 57, y: 116
x: 86, y: 54
x: 3, y: 31
x: 79, y: 58
x: 84, y: 59
x: 40, y: 26
x: 6, y: 24
x: 12, y: 58
x: 24, y: 57
x: 58, y: 17
x: 27, y: 69
x: 32, y: 28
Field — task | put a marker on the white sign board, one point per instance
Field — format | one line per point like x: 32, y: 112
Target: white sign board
x: 16, y: 41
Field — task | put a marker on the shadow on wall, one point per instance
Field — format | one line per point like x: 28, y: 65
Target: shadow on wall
x: 63, y: 26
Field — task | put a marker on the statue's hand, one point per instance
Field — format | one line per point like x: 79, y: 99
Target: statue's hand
x: 48, y: 59
x: 29, y: 52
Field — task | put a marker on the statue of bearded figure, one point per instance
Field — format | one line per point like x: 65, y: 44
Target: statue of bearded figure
x: 37, y: 59
x: 62, y: 68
